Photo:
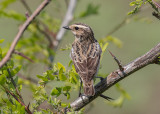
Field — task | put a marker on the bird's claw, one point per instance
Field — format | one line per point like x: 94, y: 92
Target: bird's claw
x: 101, y: 78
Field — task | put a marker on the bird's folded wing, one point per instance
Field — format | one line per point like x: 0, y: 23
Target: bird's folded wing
x: 87, y: 68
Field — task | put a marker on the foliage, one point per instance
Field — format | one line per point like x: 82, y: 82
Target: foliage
x: 91, y: 10
x: 8, y: 80
x: 138, y: 4
x: 113, y: 40
x: 124, y: 95
x: 158, y: 60
x: 8, y: 75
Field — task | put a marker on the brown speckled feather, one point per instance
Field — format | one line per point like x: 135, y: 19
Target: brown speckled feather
x: 85, y: 54
x: 86, y: 64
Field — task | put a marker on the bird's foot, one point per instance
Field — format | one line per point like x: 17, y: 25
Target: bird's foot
x: 81, y: 95
x: 101, y: 78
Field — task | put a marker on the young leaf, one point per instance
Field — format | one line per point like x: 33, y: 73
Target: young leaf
x: 104, y: 46
x: 118, y: 102
x: 42, y: 77
x: 66, y: 88
x: 56, y: 91
x: 16, y: 70
x: 68, y: 96
x: 72, y: 77
x: 5, y: 3
x: 2, y: 79
x: 91, y: 10
x: 1, y: 40
x: 60, y: 66
x: 62, y: 77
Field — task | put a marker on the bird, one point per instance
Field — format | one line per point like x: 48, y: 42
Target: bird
x: 85, y: 54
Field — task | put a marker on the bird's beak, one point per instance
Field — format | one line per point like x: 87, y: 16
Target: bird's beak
x: 66, y: 27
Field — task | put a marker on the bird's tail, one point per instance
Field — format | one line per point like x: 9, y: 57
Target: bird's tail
x: 88, y: 88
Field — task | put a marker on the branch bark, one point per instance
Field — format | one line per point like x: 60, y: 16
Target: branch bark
x: 22, y: 103
x: 150, y: 57
x: 21, y: 31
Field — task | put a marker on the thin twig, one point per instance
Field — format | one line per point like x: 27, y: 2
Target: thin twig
x: 14, y: 84
x: 149, y: 58
x: 10, y: 76
x: 21, y: 31
x: 21, y: 54
x: 37, y: 23
x: 27, y: 78
x: 27, y: 15
x: 118, y: 62
x: 8, y: 95
x: 22, y: 103
x: 26, y: 6
x: 156, y: 3
x: 116, y: 28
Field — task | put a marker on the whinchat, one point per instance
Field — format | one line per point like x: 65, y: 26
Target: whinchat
x: 85, y: 54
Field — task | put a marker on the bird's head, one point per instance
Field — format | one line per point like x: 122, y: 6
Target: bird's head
x: 81, y: 31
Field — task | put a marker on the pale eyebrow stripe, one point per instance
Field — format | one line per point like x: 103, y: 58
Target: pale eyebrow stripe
x: 81, y: 26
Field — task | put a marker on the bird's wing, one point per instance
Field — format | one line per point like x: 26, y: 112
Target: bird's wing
x: 87, y: 66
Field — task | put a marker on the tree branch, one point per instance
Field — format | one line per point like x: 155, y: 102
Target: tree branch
x: 67, y: 19
x: 22, y: 103
x: 22, y: 55
x: 21, y: 31
x: 150, y: 57
x: 46, y: 32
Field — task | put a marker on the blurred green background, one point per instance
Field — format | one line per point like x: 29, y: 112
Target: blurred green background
x: 138, y: 37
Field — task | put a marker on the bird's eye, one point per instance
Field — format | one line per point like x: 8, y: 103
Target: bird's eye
x: 76, y: 28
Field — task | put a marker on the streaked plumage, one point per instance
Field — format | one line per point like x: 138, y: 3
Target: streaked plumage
x: 85, y: 54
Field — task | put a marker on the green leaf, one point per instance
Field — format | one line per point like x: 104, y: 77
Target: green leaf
x: 132, y: 3
x: 1, y: 40
x: 137, y: 7
x: 62, y: 77
x: 16, y: 70
x: 118, y: 102
x: 51, y: 77
x: 91, y: 10
x: 6, y: 3
x: 72, y: 77
x: 49, y: 73
x: 112, y: 39
x: 124, y: 93
x: 66, y: 88
x: 0, y: 53
x: 104, y: 46
x: 2, y: 79
x: 68, y: 96
x: 16, y: 80
x: 158, y: 60
x: 12, y: 14
x: 56, y: 91
x: 42, y: 77
x: 60, y: 66
x: 63, y: 105
x: 70, y: 62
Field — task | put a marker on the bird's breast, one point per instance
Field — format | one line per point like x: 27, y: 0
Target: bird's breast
x: 81, y: 51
